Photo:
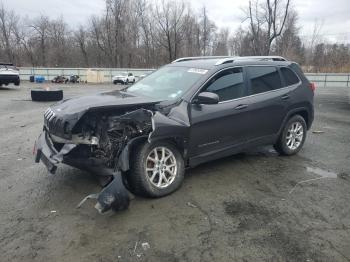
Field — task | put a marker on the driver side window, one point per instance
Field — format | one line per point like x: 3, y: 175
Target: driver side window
x: 228, y: 84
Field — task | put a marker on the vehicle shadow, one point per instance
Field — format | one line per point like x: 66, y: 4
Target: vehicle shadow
x: 10, y: 88
x: 232, y: 160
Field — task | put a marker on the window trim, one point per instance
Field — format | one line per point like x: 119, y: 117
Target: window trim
x: 247, y: 82
x: 284, y: 80
x: 215, y: 74
x: 250, y: 83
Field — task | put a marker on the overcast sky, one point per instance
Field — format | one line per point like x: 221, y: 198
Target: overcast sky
x: 333, y: 14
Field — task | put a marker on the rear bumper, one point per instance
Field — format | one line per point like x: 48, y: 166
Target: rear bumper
x: 119, y: 81
x: 7, y: 79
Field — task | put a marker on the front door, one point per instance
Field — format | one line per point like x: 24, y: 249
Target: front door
x: 220, y: 126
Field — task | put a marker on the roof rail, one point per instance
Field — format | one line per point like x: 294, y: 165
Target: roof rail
x: 262, y: 58
x: 226, y: 60
x: 231, y: 59
x: 255, y: 58
x: 184, y: 59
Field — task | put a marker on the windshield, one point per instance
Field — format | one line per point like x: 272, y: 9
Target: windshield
x: 168, y: 83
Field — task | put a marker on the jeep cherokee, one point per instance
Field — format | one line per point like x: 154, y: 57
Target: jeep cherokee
x: 191, y: 111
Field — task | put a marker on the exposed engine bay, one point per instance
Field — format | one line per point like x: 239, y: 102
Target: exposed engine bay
x: 107, y: 135
x: 97, y: 142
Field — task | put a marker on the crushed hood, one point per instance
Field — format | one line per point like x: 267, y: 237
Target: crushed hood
x: 101, y: 101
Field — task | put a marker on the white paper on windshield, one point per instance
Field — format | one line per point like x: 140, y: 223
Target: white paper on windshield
x: 197, y: 71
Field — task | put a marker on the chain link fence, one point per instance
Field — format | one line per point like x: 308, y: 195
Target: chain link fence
x: 321, y: 79
x: 329, y: 79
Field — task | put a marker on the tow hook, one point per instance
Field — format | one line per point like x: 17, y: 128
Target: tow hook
x: 114, y: 196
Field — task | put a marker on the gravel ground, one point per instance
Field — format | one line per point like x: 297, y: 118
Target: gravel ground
x: 247, y: 207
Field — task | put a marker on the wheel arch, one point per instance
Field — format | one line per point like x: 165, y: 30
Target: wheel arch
x: 125, y: 156
x: 304, y: 112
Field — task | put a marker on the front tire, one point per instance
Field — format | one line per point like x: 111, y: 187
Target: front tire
x: 158, y: 169
x: 292, y: 137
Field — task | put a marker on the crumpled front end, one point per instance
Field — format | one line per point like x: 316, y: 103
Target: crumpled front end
x: 100, y: 139
x: 100, y: 144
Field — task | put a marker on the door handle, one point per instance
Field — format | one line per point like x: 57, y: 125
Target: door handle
x: 285, y: 97
x: 240, y: 107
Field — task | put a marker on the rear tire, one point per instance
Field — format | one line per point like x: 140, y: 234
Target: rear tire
x: 115, y: 82
x: 42, y: 95
x: 160, y: 176
x: 292, y: 137
x: 17, y: 83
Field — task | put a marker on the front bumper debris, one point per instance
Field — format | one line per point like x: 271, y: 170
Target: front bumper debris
x: 46, y: 152
x: 113, y: 196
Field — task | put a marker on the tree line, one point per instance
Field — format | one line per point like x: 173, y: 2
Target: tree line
x: 145, y: 34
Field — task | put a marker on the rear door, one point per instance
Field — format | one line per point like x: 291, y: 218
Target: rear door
x: 269, y: 101
x: 223, y: 125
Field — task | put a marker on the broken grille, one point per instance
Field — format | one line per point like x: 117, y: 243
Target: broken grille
x: 51, y: 121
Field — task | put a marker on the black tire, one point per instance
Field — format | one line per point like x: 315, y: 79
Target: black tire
x: 46, y: 95
x: 17, y: 83
x: 139, y: 182
x: 281, y: 146
x: 115, y: 82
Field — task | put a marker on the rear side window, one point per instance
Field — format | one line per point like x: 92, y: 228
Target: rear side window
x: 263, y: 79
x: 289, y: 76
x: 227, y: 85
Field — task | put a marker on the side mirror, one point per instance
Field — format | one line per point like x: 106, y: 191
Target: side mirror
x: 206, y: 98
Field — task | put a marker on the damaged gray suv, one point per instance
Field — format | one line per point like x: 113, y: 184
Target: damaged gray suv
x: 191, y: 111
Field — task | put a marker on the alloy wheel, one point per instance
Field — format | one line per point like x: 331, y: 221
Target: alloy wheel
x: 161, y: 167
x: 294, y: 135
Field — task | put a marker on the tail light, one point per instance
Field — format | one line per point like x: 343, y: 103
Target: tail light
x: 312, y: 86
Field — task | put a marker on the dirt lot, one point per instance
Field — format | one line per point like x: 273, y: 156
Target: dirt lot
x: 246, y: 207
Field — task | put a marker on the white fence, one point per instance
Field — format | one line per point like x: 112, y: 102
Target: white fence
x: 329, y: 79
x: 50, y: 73
x: 321, y: 79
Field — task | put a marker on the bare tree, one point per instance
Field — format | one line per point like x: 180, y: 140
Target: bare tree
x: 221, y: 43
x: 7, y: 23
x: 207, y: 31
x: 267, y: 21
x: 24, y: 40
x: 169, y: 17
x: 142, y: 33
x: 41, y: 29
x: 81, y: 38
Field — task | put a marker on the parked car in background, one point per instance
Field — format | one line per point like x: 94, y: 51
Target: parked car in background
x: 59, y: 79
x: 189, y: 112
x: 9, y: 74
x: 123, y: 78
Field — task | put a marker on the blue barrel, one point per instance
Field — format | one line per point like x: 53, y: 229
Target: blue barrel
x: 39, y: 79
